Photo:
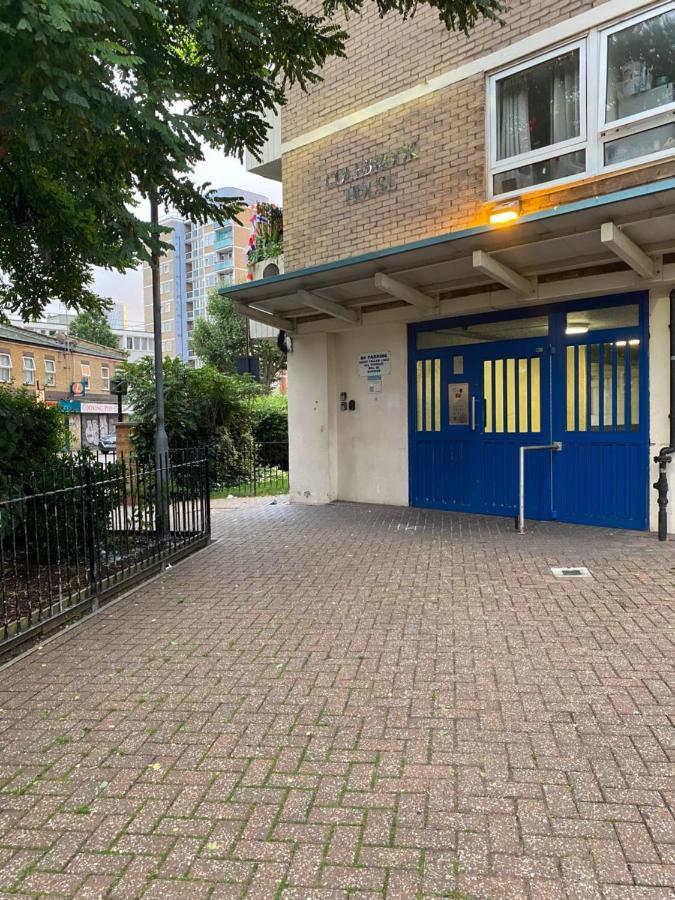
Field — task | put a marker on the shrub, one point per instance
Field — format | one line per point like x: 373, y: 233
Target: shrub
x: 200, y: 405
x: 31, y: 436
x: 270, y: 430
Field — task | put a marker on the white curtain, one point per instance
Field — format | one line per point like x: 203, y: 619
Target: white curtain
x: 514, y: 125
x: 565, y: 101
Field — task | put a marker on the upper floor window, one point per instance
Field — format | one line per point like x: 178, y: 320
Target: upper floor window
x: 638, y: 88
x: 50, y: 373
x: 28, y: 370
x: 85, y: 372
x: 600, y: 103
x: 5, y: 367
x: 105, y: 378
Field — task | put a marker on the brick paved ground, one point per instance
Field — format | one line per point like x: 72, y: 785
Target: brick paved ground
x: 355, y: 700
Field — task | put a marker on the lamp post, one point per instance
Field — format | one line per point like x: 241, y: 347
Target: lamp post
x: 161, y: 439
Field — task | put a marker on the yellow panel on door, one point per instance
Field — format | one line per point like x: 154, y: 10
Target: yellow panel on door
x: 535, y: 394
x: 510, y: 395
x: 522, y: 395
x: 499, y: 396
x: 420, y: 395
x: 487, y: 393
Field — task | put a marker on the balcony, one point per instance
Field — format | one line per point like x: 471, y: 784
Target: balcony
x: 221, y: 265
x: 222, y: 237
x: 269, y: 163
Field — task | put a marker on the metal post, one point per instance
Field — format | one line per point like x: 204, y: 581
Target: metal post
x: 161, y: 439
x: 89, y: 513
x: 520, y: 519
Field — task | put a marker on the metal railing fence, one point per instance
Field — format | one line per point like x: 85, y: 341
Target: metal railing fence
x: 248, y: 468
x: 74, y: 536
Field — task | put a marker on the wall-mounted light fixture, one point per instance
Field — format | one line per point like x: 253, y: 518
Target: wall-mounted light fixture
x: 576, y: 329
x: 502, y: 213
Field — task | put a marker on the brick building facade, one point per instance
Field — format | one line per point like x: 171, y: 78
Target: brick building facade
x: 53, y: 368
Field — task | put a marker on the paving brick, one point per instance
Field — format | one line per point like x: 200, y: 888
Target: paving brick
x: 415, y: 706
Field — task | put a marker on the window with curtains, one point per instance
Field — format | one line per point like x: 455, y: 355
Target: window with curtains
x: 539, y: 121
x: 601, y: 103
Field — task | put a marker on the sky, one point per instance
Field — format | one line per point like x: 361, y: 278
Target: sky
x: 216, y: 168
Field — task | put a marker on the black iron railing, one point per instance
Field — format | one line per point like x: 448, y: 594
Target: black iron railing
x: 249, y: 468
x: 71, y: 538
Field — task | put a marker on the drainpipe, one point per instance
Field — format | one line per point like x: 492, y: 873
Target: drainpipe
x: 666, y: 453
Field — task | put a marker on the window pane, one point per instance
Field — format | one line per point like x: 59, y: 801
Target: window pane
x: 482, y: 333
x: 499, y: 396
x: 641, y: 67
x: 634, y: 350
x: 571, y: 381
x: 607, y: 390
x: 621, y: 385
x: 641, y: 144
x: 427, y: 386
x: 539, y: 172
x: 510, y: 395
x: 487, y: 393
x: 582, y: 385
x: 437, y: 394
x: 522, y: 394
x: 535, y: 394
x: 595, y: 387
x: 585, y: 320
x: 539, y: 106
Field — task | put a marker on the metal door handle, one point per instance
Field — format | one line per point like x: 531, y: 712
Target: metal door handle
x: 473, y: 413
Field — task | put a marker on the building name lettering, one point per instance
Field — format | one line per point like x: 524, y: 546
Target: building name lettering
x: 384, y: 180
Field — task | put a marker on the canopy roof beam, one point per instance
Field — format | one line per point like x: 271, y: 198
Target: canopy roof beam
x: 264, y: 318
x: 488, y: 265
x: 627, y: 250
x: 405, y: 292
x: 337, y: 310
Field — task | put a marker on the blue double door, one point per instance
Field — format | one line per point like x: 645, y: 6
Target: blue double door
x: 475, y: 401
x: 476, y: 406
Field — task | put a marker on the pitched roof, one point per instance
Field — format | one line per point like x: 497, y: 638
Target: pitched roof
x: 25, y: 336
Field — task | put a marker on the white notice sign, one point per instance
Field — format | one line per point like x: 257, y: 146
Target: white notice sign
x: 375, y: 363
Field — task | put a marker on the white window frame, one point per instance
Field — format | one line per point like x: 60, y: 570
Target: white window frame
x: 638, y: 122
x: 32, y: 368
x: 5, y: 367
x: 50, y: 374
x: 105, y: 379
x: 592, y: 101
x: 552, y: 151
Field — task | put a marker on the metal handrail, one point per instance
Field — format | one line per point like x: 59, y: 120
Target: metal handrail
x: 520, y: 521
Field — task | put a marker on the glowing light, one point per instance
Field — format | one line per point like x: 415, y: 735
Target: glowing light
x: 505, y: 212
x: 576, y: 329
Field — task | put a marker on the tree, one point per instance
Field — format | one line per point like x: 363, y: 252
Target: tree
x: 219, y: 338
x: 93, y: 325
x: 105, y: 100
x: 202, y: 405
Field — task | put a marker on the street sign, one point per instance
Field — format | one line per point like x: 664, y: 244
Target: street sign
x: 78, y: 389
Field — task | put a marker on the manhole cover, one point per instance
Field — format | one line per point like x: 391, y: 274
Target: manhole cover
x: 570, y: 572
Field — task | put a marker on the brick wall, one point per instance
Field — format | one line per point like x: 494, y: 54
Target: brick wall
x: 445, y: 188
x: 389, y: 55
x: 68, y: 369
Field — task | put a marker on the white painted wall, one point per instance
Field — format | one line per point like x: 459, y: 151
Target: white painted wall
x: 659, y: 397
x: 311, y: 419
x: 360, y: 455
x: 372, y: 459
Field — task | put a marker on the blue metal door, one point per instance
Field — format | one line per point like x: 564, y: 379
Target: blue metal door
x: 475, y: 399
x: 601, y: 417
x: 474, y: 407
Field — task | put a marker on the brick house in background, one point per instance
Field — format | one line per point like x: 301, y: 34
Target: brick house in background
x: 50, y: 366
x: 479, y: 244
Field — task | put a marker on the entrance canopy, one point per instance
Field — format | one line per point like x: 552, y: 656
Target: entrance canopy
x: 619, y: 241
